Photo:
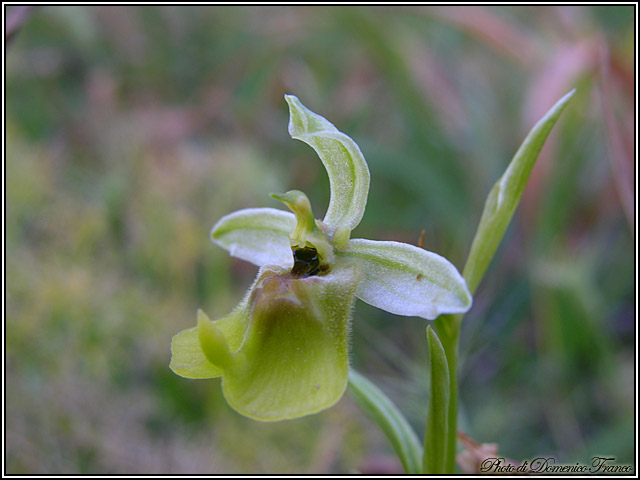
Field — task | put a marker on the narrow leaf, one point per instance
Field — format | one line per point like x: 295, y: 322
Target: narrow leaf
x: 407, y: 280
x: 435, y: 438
x: 389, y: 419
x: 505, y: 195
x: 257, y: 235
x: 347, y: 169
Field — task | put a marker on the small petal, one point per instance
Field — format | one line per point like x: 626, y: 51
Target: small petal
x: 187, y: 358
x: 213, y: 342
x: 347, y: 169
x: 407, y: 280
x: 257, y: 235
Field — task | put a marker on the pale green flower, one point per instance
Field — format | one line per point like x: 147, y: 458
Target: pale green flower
x: 283, y: 351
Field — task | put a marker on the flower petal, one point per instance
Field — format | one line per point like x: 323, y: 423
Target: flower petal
x: 257, y: 235
x: 187, y: 358
x: 347, y: 169
x: 293, y: 361
x: 407, y: 280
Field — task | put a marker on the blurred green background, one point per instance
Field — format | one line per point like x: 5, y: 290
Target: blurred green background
x: 131, y: 130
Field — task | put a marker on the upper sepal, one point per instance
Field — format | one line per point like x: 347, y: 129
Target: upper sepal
x: 347, y: 169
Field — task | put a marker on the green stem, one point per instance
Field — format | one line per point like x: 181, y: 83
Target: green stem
x: 448, y: 329
x: 499, y: 208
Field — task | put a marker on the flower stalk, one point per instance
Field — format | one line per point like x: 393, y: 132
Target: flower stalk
x: 499, y: 208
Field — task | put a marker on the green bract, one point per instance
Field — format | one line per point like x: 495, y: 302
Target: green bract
x: 283, y: 351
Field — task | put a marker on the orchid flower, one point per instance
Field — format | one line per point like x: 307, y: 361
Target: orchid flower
x: 283, y: 351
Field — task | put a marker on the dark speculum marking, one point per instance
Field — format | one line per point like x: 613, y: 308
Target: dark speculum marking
x: 305, y: 262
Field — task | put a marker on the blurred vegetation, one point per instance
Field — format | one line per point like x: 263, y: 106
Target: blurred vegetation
x: 131, y: 130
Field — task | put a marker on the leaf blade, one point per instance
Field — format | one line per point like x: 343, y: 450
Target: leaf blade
x: 505, y: 196
x: 387, y: 416
x: 435, y: 438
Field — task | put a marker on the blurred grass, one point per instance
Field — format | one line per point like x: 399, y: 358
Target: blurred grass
x: 131, y: 130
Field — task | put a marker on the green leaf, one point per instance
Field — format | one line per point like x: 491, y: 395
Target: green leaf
x: 505, y: 195
x: 347, y: 169
x: 387, y: 416
x: 407, y: 280
x: 257, y: 235
x: 435, y: 438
